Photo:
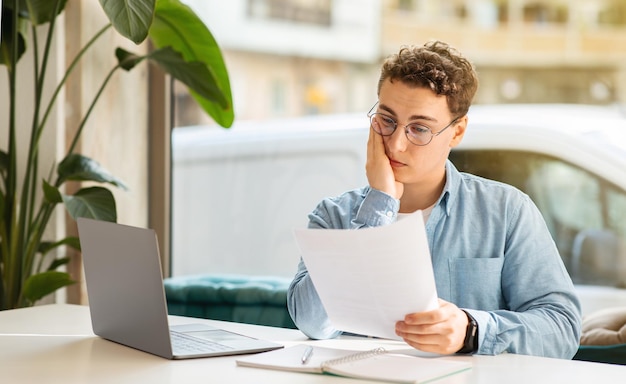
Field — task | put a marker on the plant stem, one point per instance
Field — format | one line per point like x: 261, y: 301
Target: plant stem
x: 33, y: 242
x: 33, y: 229
x: 11, y: 266
x: 93, y: 104
x: 33, y: 180
x: 33, y: 150
x: 67, y: 73
x: 30, y: 177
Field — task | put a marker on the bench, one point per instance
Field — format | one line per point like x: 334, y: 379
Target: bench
x: 260, y: 300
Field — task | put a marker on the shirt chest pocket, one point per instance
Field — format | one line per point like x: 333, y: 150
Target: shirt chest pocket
x: 477, y: 283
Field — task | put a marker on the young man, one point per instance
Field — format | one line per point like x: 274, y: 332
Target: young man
x: 501, y: 281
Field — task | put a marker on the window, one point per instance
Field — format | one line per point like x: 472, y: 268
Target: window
x: 279, y: 97
x: 584, y: 213
x: 302, y: 11
x: 613, y: 14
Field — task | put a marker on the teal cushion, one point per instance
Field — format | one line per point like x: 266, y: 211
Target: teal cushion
x: 613, y: 354
x: 260, y: 300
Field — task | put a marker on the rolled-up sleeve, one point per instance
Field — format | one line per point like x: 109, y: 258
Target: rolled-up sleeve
x: 352, y: 210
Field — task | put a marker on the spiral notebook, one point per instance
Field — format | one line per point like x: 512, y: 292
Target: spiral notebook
x: 376, y: 364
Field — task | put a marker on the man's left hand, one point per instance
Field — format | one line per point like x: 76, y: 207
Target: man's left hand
x: 439, y: 331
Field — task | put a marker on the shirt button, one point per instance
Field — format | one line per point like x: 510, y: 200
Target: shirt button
x: 389, y: 214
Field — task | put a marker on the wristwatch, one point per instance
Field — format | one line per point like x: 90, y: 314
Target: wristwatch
x: 470, y: 345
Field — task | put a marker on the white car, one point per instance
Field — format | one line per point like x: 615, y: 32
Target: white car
x: 238, y: 193
x: 571, y: 160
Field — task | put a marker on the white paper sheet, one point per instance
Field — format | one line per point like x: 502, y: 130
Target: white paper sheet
x: 370, y: 278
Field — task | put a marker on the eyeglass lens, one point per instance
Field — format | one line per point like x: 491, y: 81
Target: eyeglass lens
x: 385, y: 126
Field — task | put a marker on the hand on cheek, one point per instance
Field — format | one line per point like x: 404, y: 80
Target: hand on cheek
x: 378, y: 169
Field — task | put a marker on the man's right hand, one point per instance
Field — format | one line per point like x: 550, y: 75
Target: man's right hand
x: 378, y: 169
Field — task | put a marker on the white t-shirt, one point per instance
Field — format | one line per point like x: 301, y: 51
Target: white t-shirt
x: 425, y: 212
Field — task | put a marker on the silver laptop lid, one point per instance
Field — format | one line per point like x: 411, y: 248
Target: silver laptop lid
x: 125, y: 285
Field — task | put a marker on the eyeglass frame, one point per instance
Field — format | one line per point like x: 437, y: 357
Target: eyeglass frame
x: 370, y: 115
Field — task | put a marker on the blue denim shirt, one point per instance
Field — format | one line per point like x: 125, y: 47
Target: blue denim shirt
x: 492, y: 255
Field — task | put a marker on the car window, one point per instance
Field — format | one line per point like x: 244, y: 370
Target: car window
x: 616, y: 200
x: 585, y: 214
x: 570, y: 195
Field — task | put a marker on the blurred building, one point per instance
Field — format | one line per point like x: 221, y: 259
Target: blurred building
x: 297, y: 57
x: 539, y: 51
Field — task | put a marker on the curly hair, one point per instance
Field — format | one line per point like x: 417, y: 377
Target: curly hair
x: 438, y: 67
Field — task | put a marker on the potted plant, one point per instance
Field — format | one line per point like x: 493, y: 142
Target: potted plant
x: 185, y: 49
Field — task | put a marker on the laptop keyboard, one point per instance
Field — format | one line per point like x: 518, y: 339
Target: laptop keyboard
x: 183, y: 343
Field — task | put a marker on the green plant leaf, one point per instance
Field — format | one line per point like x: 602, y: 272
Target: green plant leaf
x: 131, y: 18
x: 194, y: 75
x: 4, y: 169
x: 2, y: 204
x: 51, y: 193
x: 4, y: 161
x: 47, y: 246
x: 77, y: 167
x: 56, y: 263
x: 177, y: 26
x: 40, y: 11
x: 41, y: 284
x: 6, y: 40
x: 127, y: 60
x: 93, y: 202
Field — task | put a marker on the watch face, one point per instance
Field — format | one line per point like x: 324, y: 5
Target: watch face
x: 473, y: 335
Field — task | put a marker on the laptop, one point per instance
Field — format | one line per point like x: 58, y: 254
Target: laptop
x: 127, y: 298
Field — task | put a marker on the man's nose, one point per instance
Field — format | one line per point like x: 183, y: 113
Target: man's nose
x: 398, y: 141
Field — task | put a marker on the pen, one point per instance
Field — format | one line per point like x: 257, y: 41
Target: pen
x: 307, y: 354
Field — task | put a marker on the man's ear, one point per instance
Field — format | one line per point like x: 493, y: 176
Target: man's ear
x: 459, y: 131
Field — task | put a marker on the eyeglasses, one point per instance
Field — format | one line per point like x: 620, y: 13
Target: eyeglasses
x: 416, y: 133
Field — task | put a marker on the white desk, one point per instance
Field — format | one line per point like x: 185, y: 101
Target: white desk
x: 55, y: 344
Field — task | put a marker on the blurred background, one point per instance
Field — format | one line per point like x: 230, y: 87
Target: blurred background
x: 304, y: 73
x: 300, y: 57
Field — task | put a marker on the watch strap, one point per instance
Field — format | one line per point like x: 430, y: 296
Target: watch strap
x: 470, y: 344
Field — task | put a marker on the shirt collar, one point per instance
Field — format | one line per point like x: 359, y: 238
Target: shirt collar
x: 453, y: 180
